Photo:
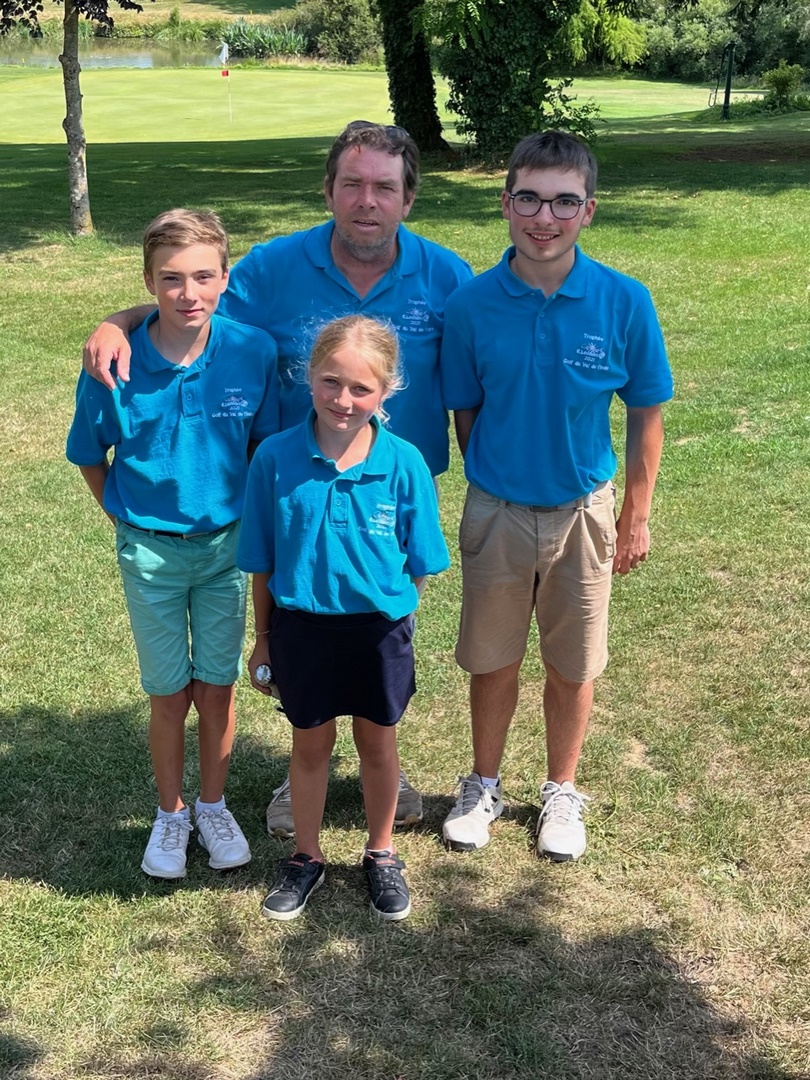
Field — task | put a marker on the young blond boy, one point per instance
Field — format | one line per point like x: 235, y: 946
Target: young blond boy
x: 202, y: 393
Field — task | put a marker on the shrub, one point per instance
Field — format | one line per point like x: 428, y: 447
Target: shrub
x: 342, y: 31
x: 782, y: 83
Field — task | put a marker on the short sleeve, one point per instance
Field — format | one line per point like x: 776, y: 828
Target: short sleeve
x: 422, y: 538
x: 95, y: 428
x: 649, y: 376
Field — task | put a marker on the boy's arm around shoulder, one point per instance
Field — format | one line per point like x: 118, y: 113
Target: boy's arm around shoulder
x: 109, y: 343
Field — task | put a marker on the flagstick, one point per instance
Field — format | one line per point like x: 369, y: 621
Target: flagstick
x: 230, y: 106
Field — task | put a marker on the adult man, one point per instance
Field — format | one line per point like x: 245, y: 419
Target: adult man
x: 532, y: 354
x: 362, y: 261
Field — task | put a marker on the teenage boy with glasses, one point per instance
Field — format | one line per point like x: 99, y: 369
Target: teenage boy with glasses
x: 363, y: 261
x: 532, y: 354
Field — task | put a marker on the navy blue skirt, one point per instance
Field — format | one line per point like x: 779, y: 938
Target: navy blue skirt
x: 342, y: 665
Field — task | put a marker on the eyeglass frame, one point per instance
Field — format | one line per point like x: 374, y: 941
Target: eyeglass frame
x: 512, y: 195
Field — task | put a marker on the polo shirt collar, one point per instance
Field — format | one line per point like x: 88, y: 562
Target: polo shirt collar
x: 575, y: 285
x: 318, y: 247
x: 152, y: 361
x: 380, y: 462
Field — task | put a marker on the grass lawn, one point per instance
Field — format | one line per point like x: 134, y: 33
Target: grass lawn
x: 679, y: 945
x: 193, y: 9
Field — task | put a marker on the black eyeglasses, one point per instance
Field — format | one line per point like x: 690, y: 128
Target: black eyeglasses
x: 564, y: 207
x: 390, y: 129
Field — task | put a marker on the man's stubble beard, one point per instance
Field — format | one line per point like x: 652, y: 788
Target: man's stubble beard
x: 375, y: 251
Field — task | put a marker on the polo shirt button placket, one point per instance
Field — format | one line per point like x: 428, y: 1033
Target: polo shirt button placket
x: 339, y: 510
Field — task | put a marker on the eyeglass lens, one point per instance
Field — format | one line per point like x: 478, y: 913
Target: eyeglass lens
x: 563, y: 209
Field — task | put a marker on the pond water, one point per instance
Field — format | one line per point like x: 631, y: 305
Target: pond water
x: 110, y: 53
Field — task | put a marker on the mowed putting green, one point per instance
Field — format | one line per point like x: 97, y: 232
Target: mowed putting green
x: 191, y: 104
x: 680, y: 945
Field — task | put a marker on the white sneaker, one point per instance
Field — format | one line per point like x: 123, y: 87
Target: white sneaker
x: 466, y: 827
x: 279, y: 812
x: 222, y: 838
x: 560, y: 828
x: 165, y: 855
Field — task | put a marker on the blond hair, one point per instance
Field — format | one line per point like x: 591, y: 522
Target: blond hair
x: 182, y: 228
x: 373, y: 340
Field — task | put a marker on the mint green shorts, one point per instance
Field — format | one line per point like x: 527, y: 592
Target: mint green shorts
x: 186, y: 601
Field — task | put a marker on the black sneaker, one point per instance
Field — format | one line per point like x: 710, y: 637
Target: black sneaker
x: 390, y: 899
x: 297, y: 877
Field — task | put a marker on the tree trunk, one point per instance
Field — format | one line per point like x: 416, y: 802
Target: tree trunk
x: 410, y: 78
x: 81, y: 224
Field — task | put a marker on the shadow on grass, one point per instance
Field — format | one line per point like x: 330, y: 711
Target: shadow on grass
x: 485, y: 991
x: 480, y: 982
x: 237, y: 7
x: 268, y: 187
x: 18, y: 1055
x: 76, y: 804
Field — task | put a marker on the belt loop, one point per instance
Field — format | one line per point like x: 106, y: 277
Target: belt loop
x: 502, y: 503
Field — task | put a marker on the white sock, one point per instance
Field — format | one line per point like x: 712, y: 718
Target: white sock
x: 490, y: 781
x: 199, y: 806
x: 184, y: 813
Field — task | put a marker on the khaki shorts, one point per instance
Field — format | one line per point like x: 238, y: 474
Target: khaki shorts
x: 557, y: 564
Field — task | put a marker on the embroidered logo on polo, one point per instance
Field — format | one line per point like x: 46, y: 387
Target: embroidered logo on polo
x: 591, y: 354
x: 383, y: 520
x: 417, y: 318
x: 234, y: 405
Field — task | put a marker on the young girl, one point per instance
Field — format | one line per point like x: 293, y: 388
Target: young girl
x: 340, y: 525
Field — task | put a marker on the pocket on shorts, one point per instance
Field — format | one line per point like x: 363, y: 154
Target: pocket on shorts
x: 600, y: 521
x: 479, y: 512
x: 121, y: 539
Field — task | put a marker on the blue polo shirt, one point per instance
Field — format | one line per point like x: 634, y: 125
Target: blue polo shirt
x: 543, y: 371
x: 291, y: 288
x: 339, y: 543
x: 180, y: 434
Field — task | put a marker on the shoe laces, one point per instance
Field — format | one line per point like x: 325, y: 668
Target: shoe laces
x: 386, y: 870
x: 291, y: 869
x: 220, y: 821
x: 563, y: 806
x: 403, y: 782
x: 471, y: 794
x: 174, y: 834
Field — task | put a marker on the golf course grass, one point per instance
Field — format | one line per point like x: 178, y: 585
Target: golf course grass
x: 678, y: 946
